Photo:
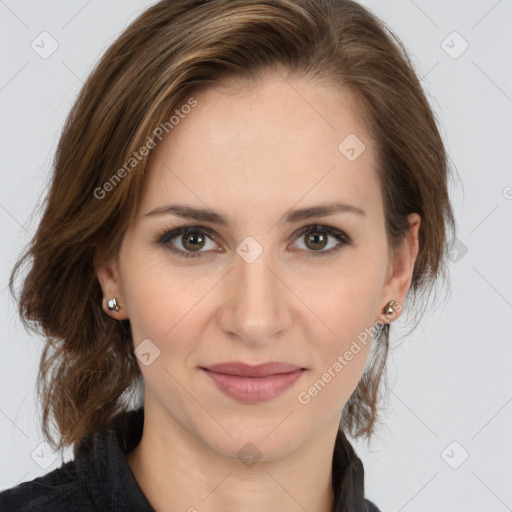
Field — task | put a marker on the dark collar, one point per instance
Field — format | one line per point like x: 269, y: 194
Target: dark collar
x: 103, y: 469
x: 105, y: 475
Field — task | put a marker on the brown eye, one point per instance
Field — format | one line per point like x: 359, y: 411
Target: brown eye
x: 316, y: 240
x: 193, y: 241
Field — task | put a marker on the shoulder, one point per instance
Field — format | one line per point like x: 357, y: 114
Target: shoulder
x: 371, y: 507
x: 56, y: 491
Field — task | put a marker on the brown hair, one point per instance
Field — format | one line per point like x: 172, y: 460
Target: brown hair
x: 88, y: 369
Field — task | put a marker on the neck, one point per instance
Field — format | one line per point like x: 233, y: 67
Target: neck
x: 176, y: 471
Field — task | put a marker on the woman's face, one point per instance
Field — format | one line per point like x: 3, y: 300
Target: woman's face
x: 262, y: 287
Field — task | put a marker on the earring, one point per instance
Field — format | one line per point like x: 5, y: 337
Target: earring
x: 389, y: 307
x: 112, y: 305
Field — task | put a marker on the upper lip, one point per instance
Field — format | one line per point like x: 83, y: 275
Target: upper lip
x: 246, y: 370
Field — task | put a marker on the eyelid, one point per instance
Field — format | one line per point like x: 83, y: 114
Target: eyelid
x: 175, y: 231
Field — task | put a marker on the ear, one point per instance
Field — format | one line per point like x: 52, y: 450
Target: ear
x: 107, y: 272
x: 400, y: 269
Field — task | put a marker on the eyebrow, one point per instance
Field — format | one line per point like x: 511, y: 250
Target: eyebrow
x: 207, y: 215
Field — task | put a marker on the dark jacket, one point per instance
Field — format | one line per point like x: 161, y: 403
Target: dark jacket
x: 100, y: 479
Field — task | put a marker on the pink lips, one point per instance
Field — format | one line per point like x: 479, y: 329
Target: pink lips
x: 254, y: 383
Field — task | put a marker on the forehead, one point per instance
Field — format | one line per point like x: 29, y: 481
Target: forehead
x: 277, y: 142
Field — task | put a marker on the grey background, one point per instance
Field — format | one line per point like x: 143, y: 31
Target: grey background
x: 450, y: 380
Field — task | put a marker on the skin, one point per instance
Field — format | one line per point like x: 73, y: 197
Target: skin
x: 236, y: 153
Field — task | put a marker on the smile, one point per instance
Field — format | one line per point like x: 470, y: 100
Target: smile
x: 254, y: 389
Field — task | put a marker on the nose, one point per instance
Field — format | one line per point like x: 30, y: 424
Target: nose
x: 255, y: 305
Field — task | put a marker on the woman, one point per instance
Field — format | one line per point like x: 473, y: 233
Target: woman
x: 244, y: 196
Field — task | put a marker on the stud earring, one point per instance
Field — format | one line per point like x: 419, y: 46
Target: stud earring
x: 389, y: 307
x: 112, y: 305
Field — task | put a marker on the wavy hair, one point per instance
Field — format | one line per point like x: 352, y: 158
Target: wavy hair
x: 88, y: 372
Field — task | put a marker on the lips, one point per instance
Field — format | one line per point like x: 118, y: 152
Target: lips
x: 260, y: 370
x: 253, y: 384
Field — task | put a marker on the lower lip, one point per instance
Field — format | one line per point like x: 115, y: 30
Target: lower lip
x: 254, y: 389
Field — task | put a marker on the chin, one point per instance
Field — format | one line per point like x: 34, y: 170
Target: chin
x: 247, y: 440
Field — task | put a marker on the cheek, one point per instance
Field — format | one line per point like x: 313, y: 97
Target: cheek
x: 346, y: 311
x: 164, y: 308
x: 160, y: 298
x: 340, y: 355
x: 347, y: 304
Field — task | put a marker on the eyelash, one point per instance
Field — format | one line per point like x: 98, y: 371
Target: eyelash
x: 168, y: 235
